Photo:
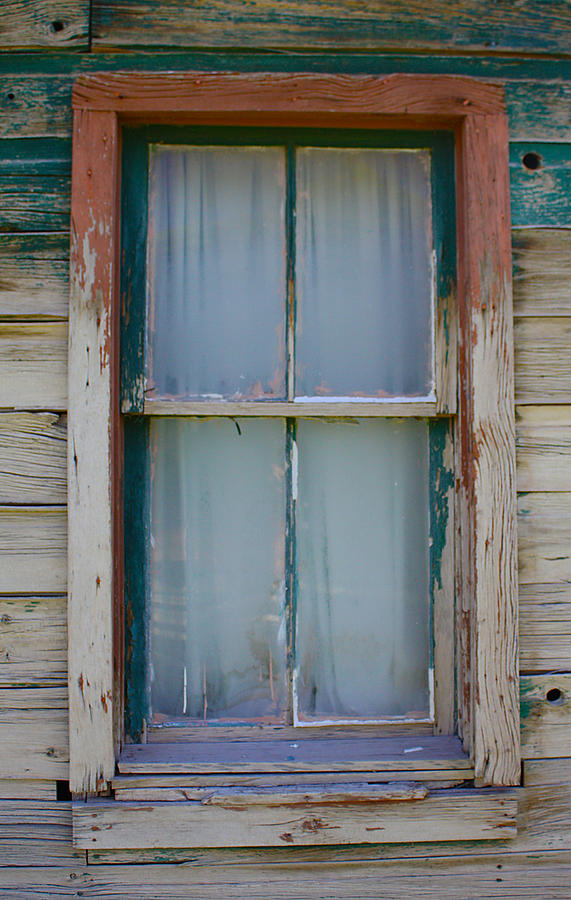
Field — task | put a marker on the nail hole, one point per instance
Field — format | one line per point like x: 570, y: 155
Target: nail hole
x: 11, y: 96
x: 57, y: 26
x: 532, y: 161
x: 554, y: 695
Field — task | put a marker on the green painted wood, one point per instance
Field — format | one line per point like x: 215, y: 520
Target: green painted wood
x: 136, y: 539
x: 379, y: 24
x: 37, y: 104
x: 34, y: 203
x: 239, y: 59
x: 27, y: 24
x: 35, y: 156
x: 541, y: 197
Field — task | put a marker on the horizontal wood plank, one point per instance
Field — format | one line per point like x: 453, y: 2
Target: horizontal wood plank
x: 33, y: 365
x: 491, y: 877
x: 33, y: 453
x: 34, y: 203
x: 543, y: 446
x: 33, y: 723
x: 547, y: 771
x: 34, y: 279
x: 542, y: 360
x: 36, y: 833
x: 33, y: 550
x: 545, y: 715
x: 313, y: 408
x: 541, y: 197
x: 39, y: 105
x: 27, y: 789
x: 542, y: 271
x: 461, y: 815
x: 545, y: 627
x: 33, y: 641
x: 337, y: 24
x: 302, y: 755
x: 45, y: 24
x: 544, y: 538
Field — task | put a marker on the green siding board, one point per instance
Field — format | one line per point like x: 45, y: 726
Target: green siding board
x: 38, y: 105
x: 34, y: 203
x: 541, y: 197
x: 482, y: 25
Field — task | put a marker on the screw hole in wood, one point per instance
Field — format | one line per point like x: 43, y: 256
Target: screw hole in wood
x: 532, y: 161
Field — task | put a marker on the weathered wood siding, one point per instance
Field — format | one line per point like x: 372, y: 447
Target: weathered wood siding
x: 525, y: 46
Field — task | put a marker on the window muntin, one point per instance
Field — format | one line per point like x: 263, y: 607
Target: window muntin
x: 410, y: 696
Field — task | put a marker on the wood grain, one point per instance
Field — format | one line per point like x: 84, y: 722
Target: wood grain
x: 545, y: 627
x: 313, y: 754
x: 33, y: 452
x: 34, y: 279
x: 493, y: 876
x: 546, y: 771
x: 542, y: 271
x: 33, y: 641
x: 545, y: 715
x: 27, y: 789
x: 543, y: 444
x: 33, y: 365
x: 37, y: 833
x: 32, y: 550
x: 542, y: 360
x: 337, y: 24
x: 34, y: 730
x: 92, y: 504
x: 486, y: 551
x: 316, y: 99
x: 160, y: 407
x: 544, y: 538
x: 461, y: 815
x: 44, y: 24
x: 39, y: 104
x: 34, y: 203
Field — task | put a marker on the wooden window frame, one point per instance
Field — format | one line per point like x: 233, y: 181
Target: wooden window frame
x: 484, y: 465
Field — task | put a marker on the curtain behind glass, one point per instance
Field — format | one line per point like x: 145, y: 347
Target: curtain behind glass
x: 217, y: 272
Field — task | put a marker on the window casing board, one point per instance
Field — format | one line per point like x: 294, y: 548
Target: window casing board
x: 484, y: 444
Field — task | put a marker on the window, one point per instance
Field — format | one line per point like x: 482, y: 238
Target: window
x: 289, y: 351
x: 358, y: 117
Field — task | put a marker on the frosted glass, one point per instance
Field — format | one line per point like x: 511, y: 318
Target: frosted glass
x: 362, y: 634
x: 217, y: 272
x: 363, y: 273
x: 217, y: 630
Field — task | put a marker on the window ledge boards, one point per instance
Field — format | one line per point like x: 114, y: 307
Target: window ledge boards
x: 325, y: 814
x: 327, y: 754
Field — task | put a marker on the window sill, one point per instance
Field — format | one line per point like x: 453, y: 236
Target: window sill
x: 276, y: 792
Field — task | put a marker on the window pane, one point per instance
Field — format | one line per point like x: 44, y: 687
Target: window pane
x: 363, y: 273
x: 217, y: 568
x: 217, y: 272
x: 362, y: 633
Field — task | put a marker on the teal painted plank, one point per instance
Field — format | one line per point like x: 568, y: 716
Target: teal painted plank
x: 241, y: 60
x: 34, y: 203
x: 35, y: 156
x: 39, y: 105
x: 136, y: 540
x: 482, y: 25
x: 541, y: 197
x: 28, y: 24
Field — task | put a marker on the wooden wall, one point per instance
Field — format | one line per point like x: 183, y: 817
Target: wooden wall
x: 44, y: 44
